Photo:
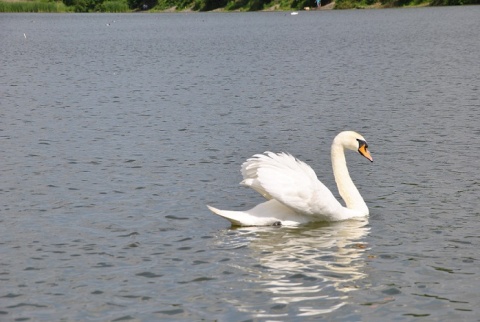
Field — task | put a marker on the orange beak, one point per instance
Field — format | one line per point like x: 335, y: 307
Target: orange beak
x: 363, y: 151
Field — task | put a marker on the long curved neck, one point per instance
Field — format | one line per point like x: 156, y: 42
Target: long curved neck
x: 345, y: 185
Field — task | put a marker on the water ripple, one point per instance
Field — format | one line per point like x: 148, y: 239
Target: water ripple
x: 305, y: 271
x: 114, y: 139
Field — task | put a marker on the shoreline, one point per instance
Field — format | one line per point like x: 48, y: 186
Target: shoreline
x: 33, y: 6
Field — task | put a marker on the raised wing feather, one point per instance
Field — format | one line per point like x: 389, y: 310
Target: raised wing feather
x: 291, y: 182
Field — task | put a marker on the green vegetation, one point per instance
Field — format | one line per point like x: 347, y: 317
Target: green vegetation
x: 251, y: 5
x: 115, y: 6
x: 33, y: 6
x: 360, y: 4
x: 350, y: 4
x: 97, y: 5
x: 453, y: 2
x: 205, y: 5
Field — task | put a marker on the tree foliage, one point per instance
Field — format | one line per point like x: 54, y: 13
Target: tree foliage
x: 141, y: 4
x: 244, y: 5
x: 110, y: 5
x: 453, y: 2
x: 84, y: 5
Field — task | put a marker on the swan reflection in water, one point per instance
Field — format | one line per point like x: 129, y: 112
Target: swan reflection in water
x: 304, y: 271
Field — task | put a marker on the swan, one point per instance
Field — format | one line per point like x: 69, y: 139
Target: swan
x: 293, y: 192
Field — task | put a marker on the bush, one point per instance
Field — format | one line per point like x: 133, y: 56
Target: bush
x: 114, y: 6
x: 207, y: 5
x: 453, y: 2
x: 351, y: 4
x: 84, y: 5
x: 141, y: 4
x: 236, y: 4
x: 300, y: 4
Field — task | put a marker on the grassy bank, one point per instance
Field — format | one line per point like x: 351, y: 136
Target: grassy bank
x: 60, y: 7
x: 33, y: 6
x: 367, y: 4
x: 206, y: 5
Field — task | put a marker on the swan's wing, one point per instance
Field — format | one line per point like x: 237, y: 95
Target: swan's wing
x: 290, y: 181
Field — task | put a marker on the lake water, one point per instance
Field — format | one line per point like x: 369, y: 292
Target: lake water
x: 117, y: 130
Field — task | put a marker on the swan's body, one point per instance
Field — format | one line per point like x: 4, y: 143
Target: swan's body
x: 293, y: 192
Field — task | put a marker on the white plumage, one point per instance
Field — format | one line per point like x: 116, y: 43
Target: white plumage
x: 293, y: 192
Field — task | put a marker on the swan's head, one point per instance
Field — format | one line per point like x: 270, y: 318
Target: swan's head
x: 353, y: 141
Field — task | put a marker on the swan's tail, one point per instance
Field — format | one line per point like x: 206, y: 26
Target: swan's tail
x: 268, y: 213
x: 237, y: 218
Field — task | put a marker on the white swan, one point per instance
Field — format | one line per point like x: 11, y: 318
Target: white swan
x: 294, y: 193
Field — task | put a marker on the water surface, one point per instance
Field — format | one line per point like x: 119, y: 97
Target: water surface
x: 116, y: 130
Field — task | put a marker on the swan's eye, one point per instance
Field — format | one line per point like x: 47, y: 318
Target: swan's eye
x: 362, y: 143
